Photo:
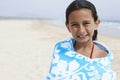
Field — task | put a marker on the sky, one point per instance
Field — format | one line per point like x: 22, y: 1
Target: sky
x: 54, y: 9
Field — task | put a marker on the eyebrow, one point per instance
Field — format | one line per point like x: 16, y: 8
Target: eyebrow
x: 86, y: 21
x: 73, y: 22
x: 83, y: 21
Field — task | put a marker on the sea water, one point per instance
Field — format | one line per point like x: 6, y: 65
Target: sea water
x: 108, y: 28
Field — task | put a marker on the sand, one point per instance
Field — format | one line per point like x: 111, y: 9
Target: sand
x: 26, y: 48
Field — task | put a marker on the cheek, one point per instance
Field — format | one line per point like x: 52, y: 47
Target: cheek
x: 72, y: 30
x: 68, y: 28
x: 90, y: 31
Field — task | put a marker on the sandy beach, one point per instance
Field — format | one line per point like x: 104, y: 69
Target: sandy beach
x: 26, y: 48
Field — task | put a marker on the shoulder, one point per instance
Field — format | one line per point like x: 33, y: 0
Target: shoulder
x: 104, y: 47
x: 68, y: 41
x: 64, y: 45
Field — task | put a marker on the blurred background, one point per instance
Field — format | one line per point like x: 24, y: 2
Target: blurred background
x: 107, y: 10
x: 54, y: 11
x: 30, y: 28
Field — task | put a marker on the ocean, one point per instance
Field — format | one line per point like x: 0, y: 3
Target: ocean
x: 108, y: 28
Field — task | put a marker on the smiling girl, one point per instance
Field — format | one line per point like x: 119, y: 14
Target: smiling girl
x: 81, y: 57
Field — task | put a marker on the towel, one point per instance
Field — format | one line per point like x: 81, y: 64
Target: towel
x: 69, y: 65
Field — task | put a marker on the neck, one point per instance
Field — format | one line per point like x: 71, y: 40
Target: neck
x: 84, y: 48
x: 78, y: 45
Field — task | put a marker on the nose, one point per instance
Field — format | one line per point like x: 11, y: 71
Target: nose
x: 81, y: 29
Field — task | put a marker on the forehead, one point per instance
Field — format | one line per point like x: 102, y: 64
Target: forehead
x: 81, y: 14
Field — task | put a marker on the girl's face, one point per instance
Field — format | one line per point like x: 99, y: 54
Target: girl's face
x: 82, y: 25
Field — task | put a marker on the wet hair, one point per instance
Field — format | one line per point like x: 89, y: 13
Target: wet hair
x: 80, y: 4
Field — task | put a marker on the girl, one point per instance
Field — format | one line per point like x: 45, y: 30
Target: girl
x: 81, y: 57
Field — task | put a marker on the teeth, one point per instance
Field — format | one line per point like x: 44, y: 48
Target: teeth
x: 82, y: 36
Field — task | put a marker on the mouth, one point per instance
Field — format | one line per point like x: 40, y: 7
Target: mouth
x: 82, y: 36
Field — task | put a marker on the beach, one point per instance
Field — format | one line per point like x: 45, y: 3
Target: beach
x: 26, y: 48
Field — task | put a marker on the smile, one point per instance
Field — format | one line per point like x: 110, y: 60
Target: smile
x: 82, y: 36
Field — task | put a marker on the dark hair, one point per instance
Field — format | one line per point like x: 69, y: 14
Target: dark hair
x: 79, y: 4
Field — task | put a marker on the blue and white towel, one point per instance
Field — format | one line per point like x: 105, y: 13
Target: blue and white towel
x: 70, y: 65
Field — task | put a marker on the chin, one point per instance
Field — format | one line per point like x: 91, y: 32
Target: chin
x: 83, y: 40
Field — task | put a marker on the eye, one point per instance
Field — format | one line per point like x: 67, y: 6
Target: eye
x: 74, y: 25
x: 86, y: 24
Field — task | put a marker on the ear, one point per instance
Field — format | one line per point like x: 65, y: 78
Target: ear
x: 67, y: 25
x: 97, y: 24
